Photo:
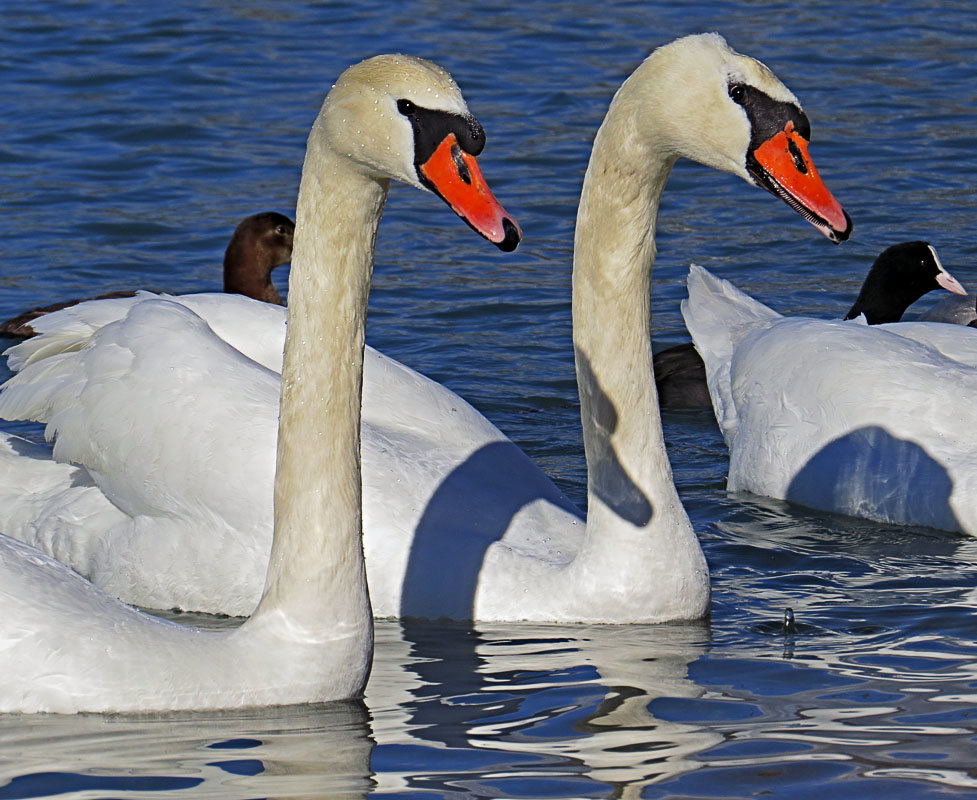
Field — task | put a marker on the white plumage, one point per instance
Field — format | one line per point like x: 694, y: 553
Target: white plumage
x: 870, y: 421
x: 66, y: 645
x: 458, y: 522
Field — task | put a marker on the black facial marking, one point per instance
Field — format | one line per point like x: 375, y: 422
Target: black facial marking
x: 432, y: 126
x: 768, y: 116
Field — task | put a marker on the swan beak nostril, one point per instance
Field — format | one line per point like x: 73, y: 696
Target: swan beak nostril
x: 454, y: 175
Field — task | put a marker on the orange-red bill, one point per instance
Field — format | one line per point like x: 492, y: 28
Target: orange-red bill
x: 455, y: 176
x: 787, y: 163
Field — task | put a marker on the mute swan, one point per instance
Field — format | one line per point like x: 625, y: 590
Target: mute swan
x: 66, y: 646
x: 899, y: 276
x: 260, y: 243
x: 875, y: 422
x: 458, y: 523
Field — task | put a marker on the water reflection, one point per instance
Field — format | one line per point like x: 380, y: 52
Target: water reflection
x: 295, y: 751
x: 838, y: 711
x: 501, y: 706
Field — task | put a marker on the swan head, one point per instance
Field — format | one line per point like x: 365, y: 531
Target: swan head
x: 404, y: 118
x: 729, y: 111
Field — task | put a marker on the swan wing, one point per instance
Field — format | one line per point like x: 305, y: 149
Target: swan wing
x: 172, y: 428
x: 152, y: 410
x: 719, y: 316
x: 254, y: 328
x: 955, y: 342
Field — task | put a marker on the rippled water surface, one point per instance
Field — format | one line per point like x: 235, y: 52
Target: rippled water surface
x: 136, y: 135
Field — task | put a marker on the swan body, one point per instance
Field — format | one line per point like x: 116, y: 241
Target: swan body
x: 839, y: 416
x: 260, y: 243
x: 458, y: 522
x: 67, y: 646
x: 116, y: 525
x: 899, y: 276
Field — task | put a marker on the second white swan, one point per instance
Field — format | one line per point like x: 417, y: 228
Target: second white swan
x: 875, y: 422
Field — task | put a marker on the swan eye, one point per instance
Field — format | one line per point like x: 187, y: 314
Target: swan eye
x: 406, y: 107
x: 737, y: 93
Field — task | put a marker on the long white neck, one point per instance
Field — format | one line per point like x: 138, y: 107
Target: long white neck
x: 637, y: 531
x: 316, y: 582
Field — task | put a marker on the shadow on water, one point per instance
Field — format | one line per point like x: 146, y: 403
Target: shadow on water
x: 871, y: 473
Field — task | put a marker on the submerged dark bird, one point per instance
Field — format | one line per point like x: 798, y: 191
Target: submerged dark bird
x: 790, y: 625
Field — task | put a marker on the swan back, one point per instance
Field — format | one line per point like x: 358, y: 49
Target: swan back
x: 959, y: 310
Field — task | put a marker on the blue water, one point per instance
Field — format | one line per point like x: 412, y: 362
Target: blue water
x: 134, y: 136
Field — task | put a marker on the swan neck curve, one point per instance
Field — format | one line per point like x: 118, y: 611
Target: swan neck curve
x: 637, y: 530
x: 316, y: 577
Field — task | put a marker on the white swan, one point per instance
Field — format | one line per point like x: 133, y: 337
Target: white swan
x: 874, y: 422
x: 899, y: 276
x: 66, y: 646
x: 457, y: 521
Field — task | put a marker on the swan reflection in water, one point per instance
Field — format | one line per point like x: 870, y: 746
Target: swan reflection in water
x: 589, y: 711
x: 493, y: 709
x: 310, y: 750
x: 508, y: 704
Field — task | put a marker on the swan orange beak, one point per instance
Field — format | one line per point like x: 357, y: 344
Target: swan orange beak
x: 783, y: 166
x: 456, y: 178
